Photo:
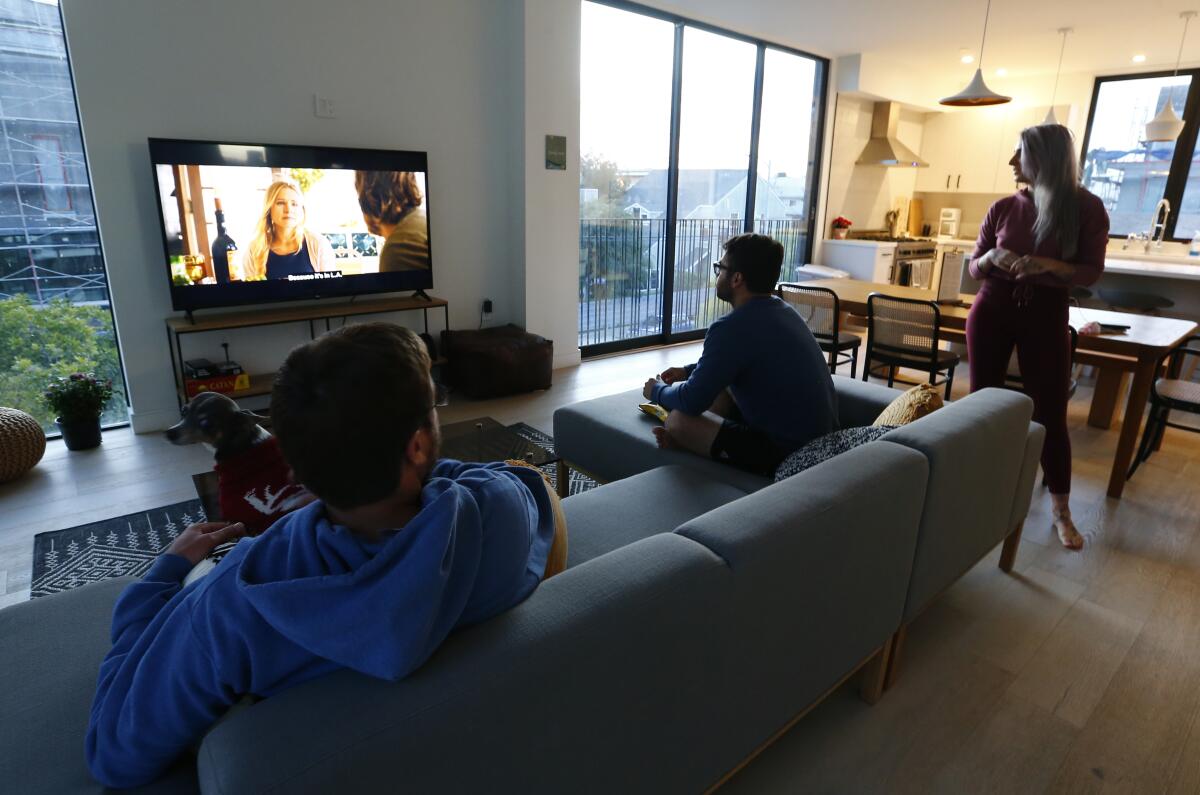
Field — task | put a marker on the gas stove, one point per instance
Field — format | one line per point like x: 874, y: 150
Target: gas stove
x: 912, y: 259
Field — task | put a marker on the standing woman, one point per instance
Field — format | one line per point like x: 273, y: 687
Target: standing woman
x: 1033, y: 246
x: 283, y: 245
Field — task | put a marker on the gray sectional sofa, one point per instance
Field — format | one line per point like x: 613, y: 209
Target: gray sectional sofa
x: 700, y: 614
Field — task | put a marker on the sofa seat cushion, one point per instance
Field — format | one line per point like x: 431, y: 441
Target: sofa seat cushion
x: 50, y: 654
x: 610, y: 438
x: 624, y: 511
x: 826, y: 447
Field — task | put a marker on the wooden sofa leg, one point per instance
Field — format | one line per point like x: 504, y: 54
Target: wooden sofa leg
x: 893, y: 663
x: 871, y: 689
x: 1008, y: 553
x: 563, y: 478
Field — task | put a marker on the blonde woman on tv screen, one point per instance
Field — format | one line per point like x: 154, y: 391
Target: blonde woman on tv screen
x: 283, y: 246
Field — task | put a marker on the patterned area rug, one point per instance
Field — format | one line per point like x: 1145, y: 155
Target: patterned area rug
x: 127, y: 545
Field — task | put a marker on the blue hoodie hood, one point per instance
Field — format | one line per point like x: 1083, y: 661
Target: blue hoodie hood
x: 382, y: 607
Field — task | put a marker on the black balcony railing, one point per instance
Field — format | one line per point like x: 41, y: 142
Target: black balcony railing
x: 621, y: 272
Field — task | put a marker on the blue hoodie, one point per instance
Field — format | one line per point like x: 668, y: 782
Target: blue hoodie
x: 307, y: 598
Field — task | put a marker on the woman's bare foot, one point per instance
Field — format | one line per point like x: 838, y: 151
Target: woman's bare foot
x: 665, y: 442
x: 1068, y: 534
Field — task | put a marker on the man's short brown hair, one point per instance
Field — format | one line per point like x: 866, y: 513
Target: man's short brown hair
x: 345, y: 406
x: 759, y: 258
x: 387, y: 196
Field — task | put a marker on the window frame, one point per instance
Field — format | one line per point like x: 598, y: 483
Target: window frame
x: 1185, y: 145
x: 820, y: 100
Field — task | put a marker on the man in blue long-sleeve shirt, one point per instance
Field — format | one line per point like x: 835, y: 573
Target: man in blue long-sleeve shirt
x: 762, y: 386
x: 399, y: 550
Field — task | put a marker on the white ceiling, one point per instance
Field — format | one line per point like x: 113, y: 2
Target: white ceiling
x: 929, y: 34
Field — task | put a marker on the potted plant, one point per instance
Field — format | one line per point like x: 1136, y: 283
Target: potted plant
x: 840, y: 225
x: 78, y: 400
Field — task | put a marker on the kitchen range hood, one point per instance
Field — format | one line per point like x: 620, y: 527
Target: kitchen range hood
x: 884, y: 148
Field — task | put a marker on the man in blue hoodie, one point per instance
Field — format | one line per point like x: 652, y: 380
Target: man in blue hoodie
x: 399, y: 550
x: 762, y: 386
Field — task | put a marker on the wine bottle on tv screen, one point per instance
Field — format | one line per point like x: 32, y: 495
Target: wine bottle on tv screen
x: 222, y: 248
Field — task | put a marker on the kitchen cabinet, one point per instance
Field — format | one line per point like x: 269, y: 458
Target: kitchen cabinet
x: 961, y: 149
x: 968, y: 151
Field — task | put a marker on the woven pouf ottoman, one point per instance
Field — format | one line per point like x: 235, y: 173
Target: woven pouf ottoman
x: 22, y: 443
x: 492, y: 362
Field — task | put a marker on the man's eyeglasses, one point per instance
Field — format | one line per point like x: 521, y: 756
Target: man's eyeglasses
x: 718, y: 267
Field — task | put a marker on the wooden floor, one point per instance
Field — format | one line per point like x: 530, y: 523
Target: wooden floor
x: 1079, y: 672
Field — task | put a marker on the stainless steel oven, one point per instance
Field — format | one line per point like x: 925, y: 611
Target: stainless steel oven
x: 914, y: 259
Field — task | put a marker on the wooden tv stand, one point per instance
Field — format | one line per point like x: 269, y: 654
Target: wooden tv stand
x: 260, y: 383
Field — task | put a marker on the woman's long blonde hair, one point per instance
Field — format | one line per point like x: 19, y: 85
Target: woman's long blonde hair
x: 255, y: 266
x: 1048, y: 160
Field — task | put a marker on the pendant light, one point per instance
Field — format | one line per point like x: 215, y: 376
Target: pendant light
x: 1050, y: 117
x: 1166, y: 126
x: 977, y: 93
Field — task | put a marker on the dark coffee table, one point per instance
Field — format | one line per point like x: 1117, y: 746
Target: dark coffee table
x: 485, y: 439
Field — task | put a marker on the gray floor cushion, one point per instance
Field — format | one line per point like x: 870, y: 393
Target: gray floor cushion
x: 624, y: 511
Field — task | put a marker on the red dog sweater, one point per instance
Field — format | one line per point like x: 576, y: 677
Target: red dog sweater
x: 256, y: 487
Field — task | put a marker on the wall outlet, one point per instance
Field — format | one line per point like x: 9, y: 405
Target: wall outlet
x: 323, y: 107
x: 487, y: 306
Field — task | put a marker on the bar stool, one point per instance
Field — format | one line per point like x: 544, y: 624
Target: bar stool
x: 1131, y: 301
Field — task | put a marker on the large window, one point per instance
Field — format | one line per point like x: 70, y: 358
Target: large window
x: 54, y: 309
x: 688, y: 136
x: 1131, y: 174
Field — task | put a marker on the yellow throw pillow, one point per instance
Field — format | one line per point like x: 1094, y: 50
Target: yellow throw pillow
x: 912, y: 405
x: 557, y: 560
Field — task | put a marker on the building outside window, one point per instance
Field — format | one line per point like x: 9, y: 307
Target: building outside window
x: 55, y: 315
x: 1131, y: 174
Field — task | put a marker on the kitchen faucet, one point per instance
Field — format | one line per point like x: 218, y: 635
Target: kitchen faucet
x: 1158, y: 229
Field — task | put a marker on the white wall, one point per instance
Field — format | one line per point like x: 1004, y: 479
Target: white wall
x: 437, y: 77
x: 550, y: 249
x: 864, y: 193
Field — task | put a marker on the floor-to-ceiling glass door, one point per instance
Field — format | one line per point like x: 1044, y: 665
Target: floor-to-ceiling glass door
x: 55, y: 317
x: 672, y: 117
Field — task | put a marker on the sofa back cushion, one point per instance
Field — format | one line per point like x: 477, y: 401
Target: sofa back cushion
x: 975, y: 447
x: 608, y: 678
x: 821, y: 563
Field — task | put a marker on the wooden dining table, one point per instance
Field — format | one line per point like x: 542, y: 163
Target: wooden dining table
x: 1137, y: 352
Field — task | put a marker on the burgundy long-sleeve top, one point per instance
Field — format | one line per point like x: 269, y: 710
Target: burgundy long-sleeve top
x: 1009, y: 225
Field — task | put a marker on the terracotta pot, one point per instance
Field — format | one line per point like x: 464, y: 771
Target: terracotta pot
x: 80, y: 434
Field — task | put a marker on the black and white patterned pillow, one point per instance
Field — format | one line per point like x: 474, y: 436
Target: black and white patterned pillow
x: 826, y: 447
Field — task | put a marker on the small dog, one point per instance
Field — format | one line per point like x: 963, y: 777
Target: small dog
x: 255, y: 485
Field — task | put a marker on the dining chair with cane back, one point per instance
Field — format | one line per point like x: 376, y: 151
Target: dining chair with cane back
x: 822, y: 312
x: 903, y: 332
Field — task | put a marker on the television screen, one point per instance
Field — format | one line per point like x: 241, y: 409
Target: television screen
x: 246, y: 223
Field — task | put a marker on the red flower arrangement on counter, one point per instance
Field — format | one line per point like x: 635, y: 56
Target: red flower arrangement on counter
x: 840, y: 225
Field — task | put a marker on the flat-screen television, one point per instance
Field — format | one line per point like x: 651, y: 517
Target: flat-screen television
x: 251, y: 223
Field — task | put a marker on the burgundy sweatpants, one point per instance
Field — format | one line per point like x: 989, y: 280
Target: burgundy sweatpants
x: 1034, y: 319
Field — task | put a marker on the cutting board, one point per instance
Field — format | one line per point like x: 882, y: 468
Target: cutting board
x: 915, y: 219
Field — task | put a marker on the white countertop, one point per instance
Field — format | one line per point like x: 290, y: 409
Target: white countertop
x: 848, y: 242
x: 1160, y: 267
